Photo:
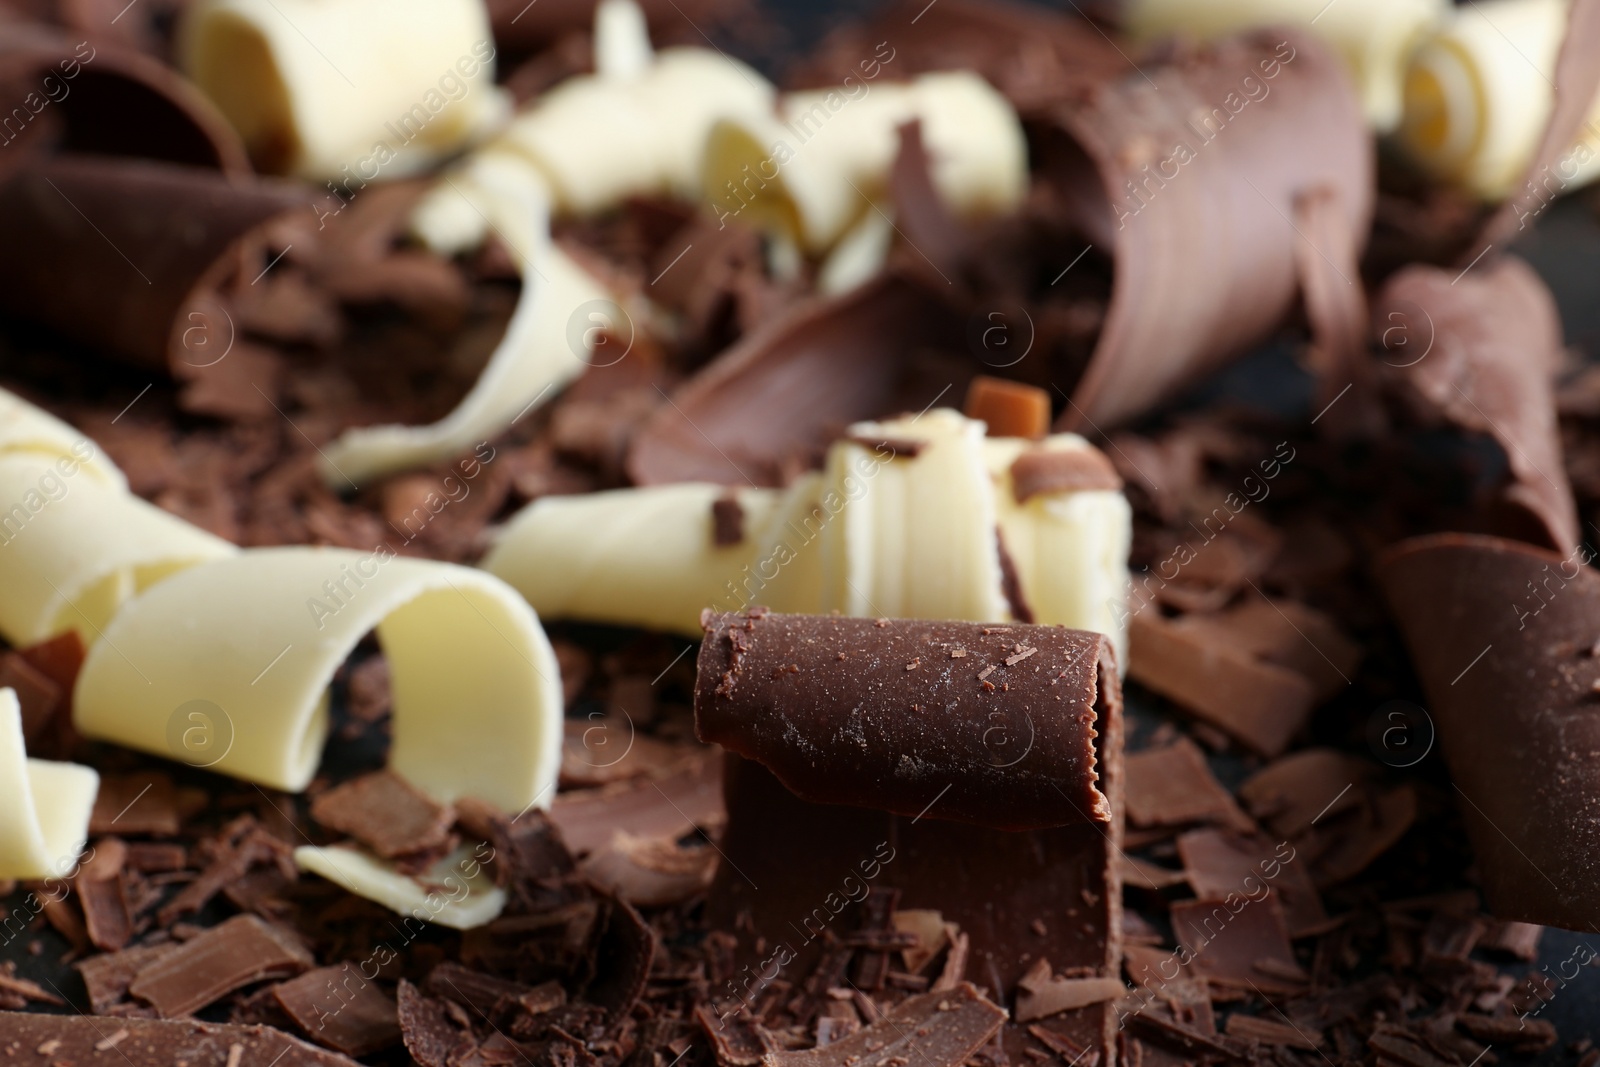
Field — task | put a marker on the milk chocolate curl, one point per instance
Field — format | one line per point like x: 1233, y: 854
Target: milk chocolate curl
x: 1479, y: 351
x: 1189, y: 173
x: 67, y: 93
x: 991, y: 725
x: 1503, y: 638
x: 124, y: 254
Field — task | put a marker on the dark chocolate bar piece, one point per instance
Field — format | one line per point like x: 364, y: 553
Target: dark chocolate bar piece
x: 85, y: 1039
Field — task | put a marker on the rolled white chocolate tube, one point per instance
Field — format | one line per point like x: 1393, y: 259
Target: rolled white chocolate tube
x: 456, y: 891
x: 342, y: 89
x: 916, y: 538
x: 44, y: 805
x: 1070, y: 549
x: 1373, y: 37
x: 28, y: 429
x: 812, y: 169
x: 74, y: 547
x: 227, y: 665
x: 548, y: 342
x: 1479, y: 92
x: 638, y: 125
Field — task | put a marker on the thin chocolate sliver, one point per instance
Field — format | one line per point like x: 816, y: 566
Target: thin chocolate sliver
x: 940, y: 1029
x: 386, y: 813
x: 81, y: 1039
x: 341, y: 1008
x: 1077, y: 470
x: 727, y: 521
x: 240, y: 952
x: 993, y: 725
x: 1500, y: 634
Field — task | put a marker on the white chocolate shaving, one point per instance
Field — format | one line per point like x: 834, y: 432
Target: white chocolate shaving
x: 456, y: 891
x: 622, y: 49
x: 74, y: 547
x: 250, y: 644
x: 1373, y: 37
x: 347, y: 89
x: 547, y: 343
x: 44, y: 805
x: 878, y: 533
x: 1479, y: 92
x: 26, y: 428
x: 812, y: 169
x: 1070, y: 550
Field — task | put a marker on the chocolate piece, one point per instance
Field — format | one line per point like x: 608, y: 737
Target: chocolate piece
x: 436, y: 1032
x: 341, y: 1008
x: 663, y: 806
x: 1191, y: 186
x: 1500, y: 634
x: 650, y: 872
x: 1480, y: 351
x: 1220, y: 865
x: 82, y: 1039
x: 622, y: 951
x: 240, y: 952
x: 1238, y: 944
x: 727, y: 521
x: 144, y: 802
x: 131, y: 253
x: 107, y: 975
x: 1042, y: 994
x: 1173, y: 785
x: 37, y: 696
x: 1257, y: 703
x: 386, y: 813
x: 940, y: 1029
x: 112, y: 101
x: 104, y: 896
x: 771, y: 404
x: 910, y: 716
x: 1061, y: 470
x: 1008, y: 409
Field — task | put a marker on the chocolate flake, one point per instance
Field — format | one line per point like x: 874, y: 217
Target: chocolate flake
x: 74, y: 1039
x: 242, y: 951
x: 341, y: 1008
x: 386, y: 813
x: 1062, y: 470
x: 939, y: 1029
x: 727, y: 521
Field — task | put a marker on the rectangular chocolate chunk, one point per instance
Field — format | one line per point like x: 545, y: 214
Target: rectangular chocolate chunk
x: 240, y: 952
x: 386, y: 813
x: 341, y: 1008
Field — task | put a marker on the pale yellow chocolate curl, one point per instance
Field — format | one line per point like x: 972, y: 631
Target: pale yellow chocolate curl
x: 74, y: 547
x: 549, y: 341
x: 250, y: 645
x: 44, y: 805
x: 347, y: 89
x: 456, y: 891
x: 812, y: 170
x: 1479, y: 93
x: 28, y: 429
x: 1375, y: 38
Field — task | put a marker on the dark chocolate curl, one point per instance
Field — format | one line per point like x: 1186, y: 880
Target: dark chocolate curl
x: 1480, y: 350
x: 103, y: 99
x: 1503, y: 638
x: 768, y: 407
x: 991, y: 725
x: 1189, y: 172
x: 123, y: 254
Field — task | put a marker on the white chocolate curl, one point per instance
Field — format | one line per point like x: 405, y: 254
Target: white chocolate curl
x: 1373, y: 37
x: 878, y: 533
x: 811, y: 170
x: 28, y: 429
x: 74, y: 547
x: 337, y: 89
x: 637, y: 126
x: 44, y: 805
x: 250, y: 644
x: 1478, y: 95
x: 549, y: 341
x: 456, y: 891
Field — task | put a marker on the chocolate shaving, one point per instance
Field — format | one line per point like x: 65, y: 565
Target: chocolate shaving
x: 664, y: 806
x: 623, y: 949
x: 242, y: 951
x: 386, y: 813
x: 141, y: 803
x: 107, y: 976
x: 104, y: 896
x: 81, y: 1039
x: 341, y: 1008
x: 1239, y: 943
x: 1061, y: 470
x: 1231, y: 867
x: 1173, y: 785
x: 727, y: 521
x: 941, y: 1029
x: 38, y: 695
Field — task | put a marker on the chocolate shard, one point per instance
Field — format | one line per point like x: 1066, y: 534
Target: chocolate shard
x: 107, y: 976
x: 1480, y: 351
x: 386, y: 813
x: 1191, y: 187
x: 939, y: 1029
x: 1500, y: 634
x: 114, y: 102
x: 242, y: 951
x: 1041, y: 470
x: 667, y: 805
x: 128, y: 253
x: 913, y: 717
x: 1173, y: 785
x: 1238, y: 944
x: 341, y: 1008
x: 82, y: 1039
x: 768, y: 407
